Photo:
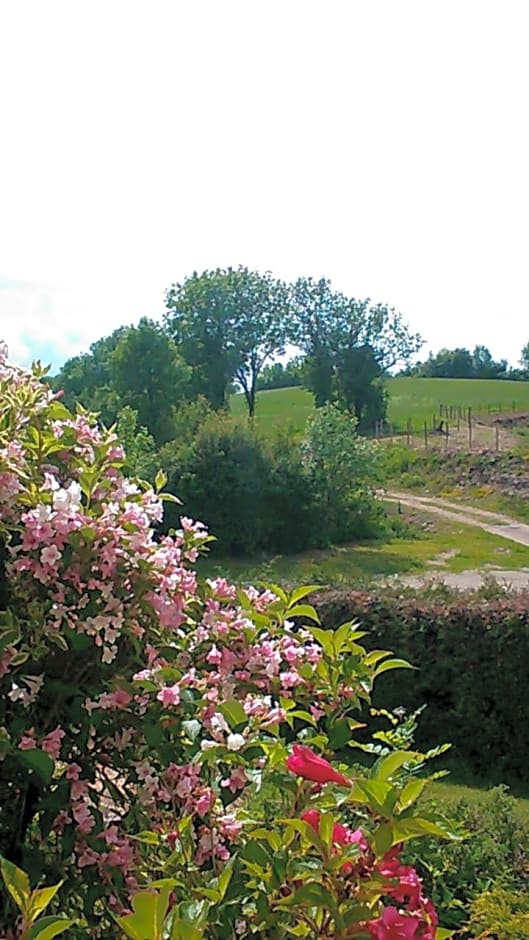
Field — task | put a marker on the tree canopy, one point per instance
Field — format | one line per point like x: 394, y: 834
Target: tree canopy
x: 349, y: 345
x: 227, y: 324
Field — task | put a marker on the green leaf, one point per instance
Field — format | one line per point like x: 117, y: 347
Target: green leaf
x: 374, y: 657
x: 384, y: 839
x: 49, y: 927
x: 160, y: 480
x: 17, y: 883
x: 39, y: 762
x: 40, y: 898
x: 183, y: 930
x: 339, y: 733
x: 392, y: 664
x: 233, y: 712
x: 386, y: 768
x: 442, y: 934
x: 417, y: 826
x: 303, y: 610
x: 146, y: 923
x: 299, y: 593
x: 147, y: 837
x: 378, y: 795
x: 411, y: 793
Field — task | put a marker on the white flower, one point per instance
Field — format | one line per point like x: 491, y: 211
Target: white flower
x: 234, y: 742
x: 49, y: 555
x: 69, y: 498
x: 219, y: 723
x: 206, y: 744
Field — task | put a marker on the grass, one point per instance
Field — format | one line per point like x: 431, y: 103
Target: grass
x: 358, y: 564
x: 418, y: 399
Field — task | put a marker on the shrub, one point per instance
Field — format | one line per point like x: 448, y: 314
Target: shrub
x: 141, y: 709
x: 344, y: 470
x: 473, y: 659
x: 500, y: 914
x: 271, y: 496
x: 495, y: 852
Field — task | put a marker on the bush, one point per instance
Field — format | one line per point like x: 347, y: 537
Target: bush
x: 494, y: 853
x: 142, y: 709
x: 273, y: 496
x: 473, y: 656
x: 499, y: 914
x: 343, y: 469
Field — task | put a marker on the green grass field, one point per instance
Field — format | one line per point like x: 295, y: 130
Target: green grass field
x: 418, y: 399
x: 461, y: 548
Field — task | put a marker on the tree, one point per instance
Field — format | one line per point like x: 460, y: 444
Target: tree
x: 350, y: 345
x: 149, y: 375
x: 86, y: 379
x: 524, y: 358
x: 227, y: 324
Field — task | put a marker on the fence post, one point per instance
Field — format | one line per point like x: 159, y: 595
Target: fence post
x: 497, y: 426
x: 408, y: 432
x: 446, y: 435
x: 426, y: 434
x: 470, y: 428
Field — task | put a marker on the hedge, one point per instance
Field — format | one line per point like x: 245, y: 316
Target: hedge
x: 473, y: 675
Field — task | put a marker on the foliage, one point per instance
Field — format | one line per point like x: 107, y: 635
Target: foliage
x: 460, y: 363
x: 264, y: 496
x: 494, y: 852
x: 349, y: 345
x: 139, y: 446
x: 278, y: 375
x: 141, y: 708
x: 254, y: 494
x: 473, y: 655
x: 500, y: 913
x: 227, y: 324
x: 148, y: 374
x: 343, y: 470
x: 136, y: 366
x: 32, y: 904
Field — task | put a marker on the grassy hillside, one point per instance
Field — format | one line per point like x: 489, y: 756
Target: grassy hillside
x: 413, y: 398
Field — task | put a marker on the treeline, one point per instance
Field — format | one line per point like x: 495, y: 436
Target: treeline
x: 222, y: 330
x: 461, y: 363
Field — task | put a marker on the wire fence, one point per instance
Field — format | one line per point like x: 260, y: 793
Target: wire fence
x: 455, y: 426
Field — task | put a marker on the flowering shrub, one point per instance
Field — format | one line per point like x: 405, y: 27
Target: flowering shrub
x: 150, y: 722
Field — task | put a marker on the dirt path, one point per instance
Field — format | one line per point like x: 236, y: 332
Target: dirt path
x: 492, y: 522
x: 495, y: 523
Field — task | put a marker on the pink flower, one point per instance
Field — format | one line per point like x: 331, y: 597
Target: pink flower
x: 52, y: 742
x: 307, y: 764
x: 205, y: 802
x: 393, y: 925
x: 169, y: 695
x: 50, y: 555
x: 26, y: 743
x: 83, y: 817
x: 86, y: 856
x: 341, y: 835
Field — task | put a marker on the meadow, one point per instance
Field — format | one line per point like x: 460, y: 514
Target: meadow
x: 409, y: 398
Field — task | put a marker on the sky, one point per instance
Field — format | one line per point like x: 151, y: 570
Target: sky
x: 380, y: 143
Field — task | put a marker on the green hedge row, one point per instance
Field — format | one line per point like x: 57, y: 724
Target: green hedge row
x: 472, y: 656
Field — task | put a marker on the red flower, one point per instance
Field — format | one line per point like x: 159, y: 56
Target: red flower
x: 396, y: 926
x: 305, y: 763
x: 340, y: 834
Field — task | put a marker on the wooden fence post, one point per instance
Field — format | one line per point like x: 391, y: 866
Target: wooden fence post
x: 470, y: 428
x: 408, y: 432
x: 426, y: 434
x: 497, y: 426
